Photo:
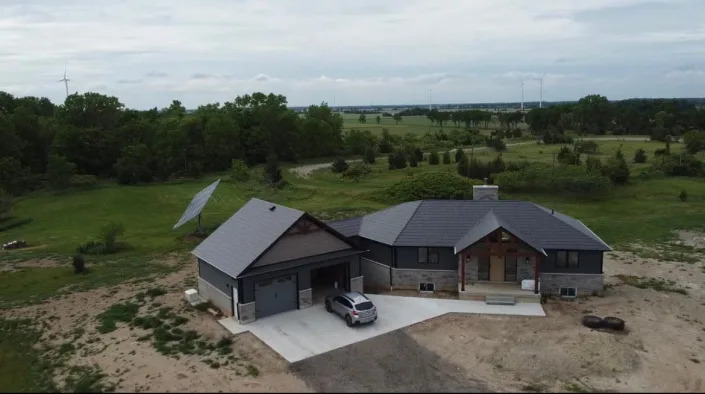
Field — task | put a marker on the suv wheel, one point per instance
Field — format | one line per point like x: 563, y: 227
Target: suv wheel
x: 348, y: 320
x: 329, y: 308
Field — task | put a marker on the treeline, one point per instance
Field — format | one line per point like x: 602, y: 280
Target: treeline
x: 94, y: 136
x: 594, y: 114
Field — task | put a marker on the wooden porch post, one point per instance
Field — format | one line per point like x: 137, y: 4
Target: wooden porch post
x: 462, y: 271
x: 536, y: 273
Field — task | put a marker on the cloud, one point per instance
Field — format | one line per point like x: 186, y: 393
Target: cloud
x: 156, y: 74
x: 129, y: 81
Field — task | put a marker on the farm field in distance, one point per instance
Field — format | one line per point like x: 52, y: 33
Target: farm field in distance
x: 641, y: 220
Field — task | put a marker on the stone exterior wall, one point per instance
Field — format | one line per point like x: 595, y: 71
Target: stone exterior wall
x: 587, y: 284
x: 246, y: 312
x: 305, y: 298
x: 219, y: 299
x: 376, y: 275
x: 409, y: 279
x: 357, y: 284
x: 525, y: 271
x: 471, y: 269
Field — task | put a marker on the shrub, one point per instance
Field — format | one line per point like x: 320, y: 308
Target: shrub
x: 79, y: 264
x: 539, y: 177
x: 431, y: 185
x: 433, y: 158
x: 417, y: 153
x: 446, y: 157
x: 272, y: 171
x: 59, y: 172
x: 109, y: 233
x: 357, y: 170
x: 568, y: 157
x: 459, y: 153
x: 464, y: 166
x: 497, y: 144
x: 683, y: 196
x: 339, y: 165
x: 593, y: 164
x: 397, y: 160
x: 369, y: 157
x: 640, y: 156
x: 616, y: 169
x: 413, y: 161
x: 239, y: 172
x: 679, y: 165
x: 556, y: 138
x: 694, y: 141
x: 83, y: 181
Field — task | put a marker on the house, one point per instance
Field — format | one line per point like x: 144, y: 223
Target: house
x: 268, y: 258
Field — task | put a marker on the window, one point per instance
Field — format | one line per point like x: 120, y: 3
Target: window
x: 567, y: 259
x: 569, y: 292
x: 428, y: 256
x: 345, y: 303
x: 510, y: 268
x: 561, y: 258
x: 363, y: 306
x: 483, y: 268
x: 505, y: 236
x: 427, y: 286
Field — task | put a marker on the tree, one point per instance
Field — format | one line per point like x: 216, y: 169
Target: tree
x: 362, y: 118
x: 417, y: 153
x: 397, y: 160
x: 413, y: 161
x: 397, y: 118
x: 386, y: 143
x: 446, y: 157
x: 683, y: 195
x: 339, y: 165
x: 357, y: 171
x: 616, y: 169
x: 358, y: 141
x: 694, y: 141
x: 433, y: 158
x: 5, y: 204
x: 239, y: 172
x: 463, y: 166
x: 378, y: 119
x: 109, y: 233
x: 59, y: 172
x: 134, y: 165
x: 568, y: 157
x: 272, y: 171
x: 369, y: 156
x: 639, y: 156
x: 593, y: 114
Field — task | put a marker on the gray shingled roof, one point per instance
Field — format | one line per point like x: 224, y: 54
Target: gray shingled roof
x: 246, y: 235
x: 491, y: 222
x: 445, y: 223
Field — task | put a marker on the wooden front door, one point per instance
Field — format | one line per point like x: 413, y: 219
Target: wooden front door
x: 496, y: 269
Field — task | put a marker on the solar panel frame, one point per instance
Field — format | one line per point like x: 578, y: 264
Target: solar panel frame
x: 196, y: 205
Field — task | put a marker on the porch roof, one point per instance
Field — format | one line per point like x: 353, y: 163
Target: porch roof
x: 489, y: 223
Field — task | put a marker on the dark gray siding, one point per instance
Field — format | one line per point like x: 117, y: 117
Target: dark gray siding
x: 303, y: 273
x: 378, y: 252
x: 407, y: 257
x: 215, y: 277
x: 589, y: 262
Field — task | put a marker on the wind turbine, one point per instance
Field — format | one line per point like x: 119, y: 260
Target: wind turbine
x: 66, y: 82
x: 540, y: 91
x: 522, y: 95
x: 430, y: 93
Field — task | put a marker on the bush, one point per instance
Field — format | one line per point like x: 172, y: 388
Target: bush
x: 616, y: 169
x: 369, y: 157
x: 593, y: 164
x: 79, y: 264
x: 272, y: 171
x: 446, y: 157
x: 357, y: 170
x: 582, y: 146
x: 556, y: 138
x: 339, y: 165
x: 568, y: 157
x: 84, y: 180
x: 417, y: 153
x: 431, y: 185
x: 433, y: 158
x: 679, y: 165
x: 464, y: 166
x: 640, y: 156
x: 694, y: 141
x: 239, y: 172
x: 683, y: 196
x: 539, y: 177
x: 397, y: 160
x: 109, y: 233
x: 497, y: 144
x: 459, y: 153
x: 413, y: 161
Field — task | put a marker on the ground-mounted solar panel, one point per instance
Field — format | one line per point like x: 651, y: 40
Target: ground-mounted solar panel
x: 196, y: 205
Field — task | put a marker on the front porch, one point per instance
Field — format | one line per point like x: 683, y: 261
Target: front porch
x: 480, y: 291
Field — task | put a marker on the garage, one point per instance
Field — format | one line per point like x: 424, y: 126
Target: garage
x: 275, y: 295
x: 328, y: 280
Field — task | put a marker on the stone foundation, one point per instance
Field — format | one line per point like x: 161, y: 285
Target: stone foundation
x: 376, y: 275
x: 356, y: 284
x: 246, y: 312
x: 305, y: 298
x: 216, y: 297
x: 409, y: 279
x: 587, y: 284
x: 525, y: 271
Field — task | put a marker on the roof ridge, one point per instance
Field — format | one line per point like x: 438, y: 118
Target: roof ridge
x: 408, y: 220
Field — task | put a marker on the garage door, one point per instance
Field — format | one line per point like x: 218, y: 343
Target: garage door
x: 275, y: 296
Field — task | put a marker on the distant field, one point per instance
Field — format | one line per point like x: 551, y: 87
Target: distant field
x: 418, y: 125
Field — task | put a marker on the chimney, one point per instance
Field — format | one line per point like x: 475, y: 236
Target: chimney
x: 485, y: 192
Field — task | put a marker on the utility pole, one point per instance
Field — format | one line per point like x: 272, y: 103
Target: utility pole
x: 541, y: 94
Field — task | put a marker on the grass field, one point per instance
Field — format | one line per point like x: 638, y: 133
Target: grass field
x: 418, y: 125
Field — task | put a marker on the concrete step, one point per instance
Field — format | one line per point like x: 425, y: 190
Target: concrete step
x: 499, y: 300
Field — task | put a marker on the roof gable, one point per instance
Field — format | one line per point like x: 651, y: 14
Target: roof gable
x: 489, y: 223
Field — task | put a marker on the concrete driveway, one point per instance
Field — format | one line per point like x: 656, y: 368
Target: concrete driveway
x: 299, y: 334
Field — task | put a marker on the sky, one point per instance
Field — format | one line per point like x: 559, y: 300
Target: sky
x: 359, y: 52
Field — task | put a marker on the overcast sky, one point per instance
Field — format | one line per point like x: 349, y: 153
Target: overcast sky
x: 353, y: 52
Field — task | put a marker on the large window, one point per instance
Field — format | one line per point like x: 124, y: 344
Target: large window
x: 483, y: 268
x: 510, y: 268
x: 567, y: 259
x: 428, y: 255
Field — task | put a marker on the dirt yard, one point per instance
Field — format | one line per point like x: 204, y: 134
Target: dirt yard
x: 661, y: 350
x: 134, y: 365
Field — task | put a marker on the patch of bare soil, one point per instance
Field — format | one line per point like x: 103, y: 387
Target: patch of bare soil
x: 663, y: 348
x: 693, y: 239
x: 37, y: 263
x: 134, y: 365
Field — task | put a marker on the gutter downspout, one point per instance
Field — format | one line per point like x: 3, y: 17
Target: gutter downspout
x: 536, y: 273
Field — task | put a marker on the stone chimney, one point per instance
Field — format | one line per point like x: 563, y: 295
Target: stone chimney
x: 485, y: 192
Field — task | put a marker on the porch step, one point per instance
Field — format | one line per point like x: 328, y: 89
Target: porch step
x: 499, y: 300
